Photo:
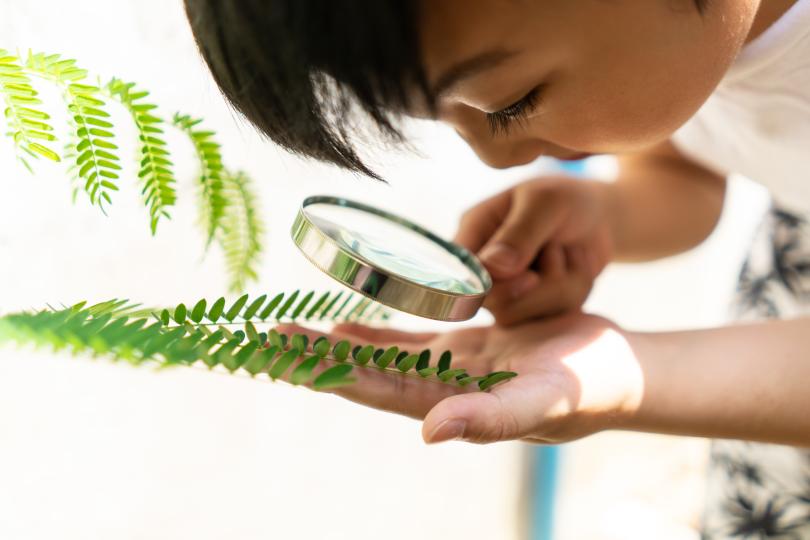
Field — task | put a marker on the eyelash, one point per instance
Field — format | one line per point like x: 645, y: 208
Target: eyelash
x: 501, y: 122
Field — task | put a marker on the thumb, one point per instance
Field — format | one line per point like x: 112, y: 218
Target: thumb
x: 529, y: 224
x: 479, y: 417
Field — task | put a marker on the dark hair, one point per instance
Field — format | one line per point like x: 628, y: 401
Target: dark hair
x: 299, y: 70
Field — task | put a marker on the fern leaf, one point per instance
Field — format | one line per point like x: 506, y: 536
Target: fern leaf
x: 214, y: 198
x: 118, y: 330
x: 242, y: 229
x: 280, y: 308
x: 97, y: 159
x: 156, y: 168
x: 29, y: 127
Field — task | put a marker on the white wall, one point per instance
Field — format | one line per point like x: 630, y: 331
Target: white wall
x: 92, y: 450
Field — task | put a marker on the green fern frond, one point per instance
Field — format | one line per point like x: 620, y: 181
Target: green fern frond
x: 208, y: 152
x: 156, y: 169
x: 97, y: 159
x: 242, y: 230
x: 29, y: 126
x: 115, y: 330
x: 283, y: 307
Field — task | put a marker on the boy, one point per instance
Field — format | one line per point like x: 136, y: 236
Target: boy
x: 684, y: 91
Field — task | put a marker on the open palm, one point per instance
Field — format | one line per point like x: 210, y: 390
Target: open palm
x: 553, y: 358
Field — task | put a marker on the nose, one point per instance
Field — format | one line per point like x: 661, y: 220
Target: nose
x: 500, y: 154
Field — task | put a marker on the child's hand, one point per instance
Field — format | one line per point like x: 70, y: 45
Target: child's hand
x: 577, y: 376
x: 544, y: 242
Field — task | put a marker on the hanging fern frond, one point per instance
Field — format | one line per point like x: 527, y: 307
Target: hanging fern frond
x: 97, y: 159
x: 242, y: 230
x: 228, y: 209
x: 156, y: 168
x: 116, y: 330
x: 28, y: 125
x: 212, y: 170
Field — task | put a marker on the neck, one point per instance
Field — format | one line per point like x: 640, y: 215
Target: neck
x: 768, y: 13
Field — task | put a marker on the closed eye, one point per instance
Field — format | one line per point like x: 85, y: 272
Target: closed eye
x: 500, y: 122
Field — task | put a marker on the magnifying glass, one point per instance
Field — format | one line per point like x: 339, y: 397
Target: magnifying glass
x: 390, y: 259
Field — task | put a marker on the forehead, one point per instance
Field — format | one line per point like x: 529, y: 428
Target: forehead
x: 453, y: 30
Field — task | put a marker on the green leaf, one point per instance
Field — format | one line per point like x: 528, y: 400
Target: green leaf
x: 300, y: 342
x: 364, y: 355
x: 444, y: 361
x: 236, y: 308
x: 385, y: 359
x: 303, y: 372
x: 165, y: 317
x: 334, y: 377
x: 341, y: 350
x: 427, y: 372
x: 251, y: 332
x: 408, y: 362
x: 287, y: 305
x: 254, y: 307
x: 268, y: 309
x: 321, y: 346
x: 302, y: 305
x: 258, y: 362
x: 424, y: 360
x: 216, y: 310
x: 198, y: 312
x: 449, y: 374
x: 245, y: 354
x: 274, y: 338
x: 494, y: 378
x: 318, y: 303
x: 180, y: 313
x: 283, y: 363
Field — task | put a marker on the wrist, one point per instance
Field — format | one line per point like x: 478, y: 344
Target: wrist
x: 611, y: 378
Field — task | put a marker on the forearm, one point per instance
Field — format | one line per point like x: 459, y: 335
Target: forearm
x: 662, y: 204
x: 747, y: 382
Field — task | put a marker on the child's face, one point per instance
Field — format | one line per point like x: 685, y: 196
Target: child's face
x: 601, y: 76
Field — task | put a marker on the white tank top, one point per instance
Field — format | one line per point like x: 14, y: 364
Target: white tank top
x: 757, y: 122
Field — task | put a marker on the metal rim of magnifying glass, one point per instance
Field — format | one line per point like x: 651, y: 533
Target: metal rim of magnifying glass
x: 378, y: 284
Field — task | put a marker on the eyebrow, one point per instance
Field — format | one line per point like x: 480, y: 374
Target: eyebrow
x: 469, y: 67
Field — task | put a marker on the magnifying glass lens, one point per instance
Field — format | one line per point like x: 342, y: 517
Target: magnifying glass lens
x: 395, y: 248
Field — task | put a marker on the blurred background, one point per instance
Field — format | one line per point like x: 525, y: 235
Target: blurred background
x: 93, y: 450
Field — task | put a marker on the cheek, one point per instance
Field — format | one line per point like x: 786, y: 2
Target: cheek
x: 622, y: 114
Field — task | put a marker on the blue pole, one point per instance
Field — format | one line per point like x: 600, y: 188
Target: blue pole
x: 546, y: 459
x: 545, y: 475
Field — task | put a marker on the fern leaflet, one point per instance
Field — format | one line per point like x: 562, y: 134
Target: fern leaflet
x: 97, y: 160
x: 28, y: 124
x: 156, y: 169
x: 242, y: 230
x: 211, y: 174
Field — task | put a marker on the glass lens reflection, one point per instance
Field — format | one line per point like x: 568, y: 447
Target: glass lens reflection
x: 395, y: 248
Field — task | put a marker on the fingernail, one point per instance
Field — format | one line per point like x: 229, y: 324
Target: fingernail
x: 448, y: 430
x: 524, y: 284
x: 500, y: 255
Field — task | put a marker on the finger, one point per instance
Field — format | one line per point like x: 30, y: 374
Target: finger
x: 551, y: 262
x: 482, y: 417
x: 383, y: 335
x: 395, y: 392
x: 548, y: 298
x: 576, y: 260
x: 479, y: 223
x: 530, y: 223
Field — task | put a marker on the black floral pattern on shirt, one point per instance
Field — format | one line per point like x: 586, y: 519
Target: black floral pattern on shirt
x: 761, y: 491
